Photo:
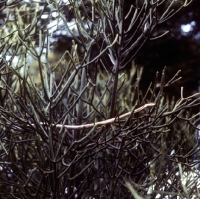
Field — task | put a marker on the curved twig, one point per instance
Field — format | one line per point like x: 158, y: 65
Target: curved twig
x: 108, y: 121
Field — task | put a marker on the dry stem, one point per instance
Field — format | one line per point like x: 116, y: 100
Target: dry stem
x: 108, y: 121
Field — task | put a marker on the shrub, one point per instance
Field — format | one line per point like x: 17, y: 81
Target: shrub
x: 85, y: 130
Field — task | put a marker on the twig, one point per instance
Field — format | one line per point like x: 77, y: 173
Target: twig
x: 108, y: 121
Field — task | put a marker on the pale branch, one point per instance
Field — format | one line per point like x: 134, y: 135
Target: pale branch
x: 105, y: 122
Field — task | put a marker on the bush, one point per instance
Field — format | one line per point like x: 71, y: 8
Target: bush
x: 85, y: 130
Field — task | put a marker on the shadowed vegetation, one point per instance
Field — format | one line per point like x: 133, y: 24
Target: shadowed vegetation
x: 81, y: 127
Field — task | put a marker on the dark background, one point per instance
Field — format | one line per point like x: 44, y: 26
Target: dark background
x: 176, y: 50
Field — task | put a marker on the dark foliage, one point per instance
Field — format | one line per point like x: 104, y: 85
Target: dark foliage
x: 80, y: 127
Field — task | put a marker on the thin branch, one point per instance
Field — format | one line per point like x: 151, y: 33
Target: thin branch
x: 105, y: 122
